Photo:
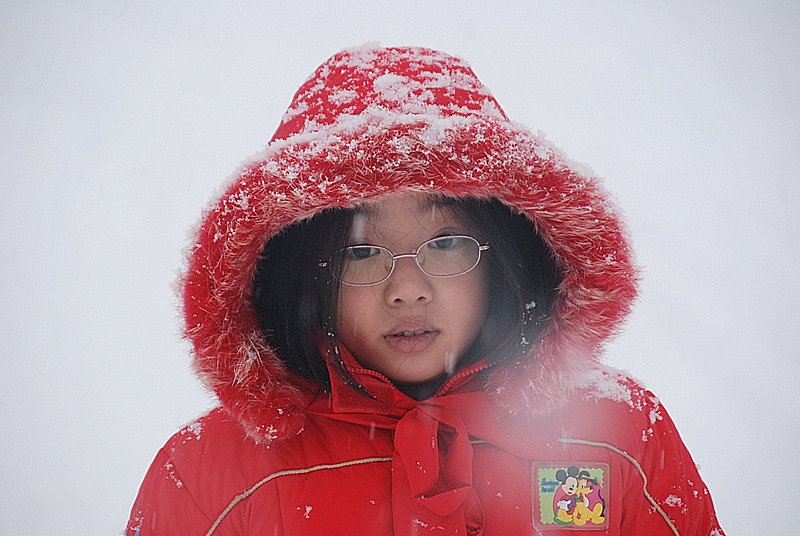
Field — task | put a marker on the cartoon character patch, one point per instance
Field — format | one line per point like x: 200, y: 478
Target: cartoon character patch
x: 570, y: 495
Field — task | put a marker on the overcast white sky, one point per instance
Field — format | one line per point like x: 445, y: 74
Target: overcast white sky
x: 119, y: 121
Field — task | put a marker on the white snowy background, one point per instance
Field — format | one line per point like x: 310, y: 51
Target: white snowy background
x: 119, y: 120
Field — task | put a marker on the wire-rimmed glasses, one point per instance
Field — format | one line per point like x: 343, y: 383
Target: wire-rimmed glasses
x: 444, y: 256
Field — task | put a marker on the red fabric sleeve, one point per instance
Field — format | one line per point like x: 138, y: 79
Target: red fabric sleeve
x: 165, y: 505
x: 672, y: 481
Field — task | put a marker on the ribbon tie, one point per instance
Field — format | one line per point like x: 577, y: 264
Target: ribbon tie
x: 432, y: 469
x: 433, y: 466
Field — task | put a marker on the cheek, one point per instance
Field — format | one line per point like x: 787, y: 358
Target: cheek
x: 354, y: 311
x: 346, y: 311
x: 343, y: 307
x: 483, y: 291
x: 473, y: 295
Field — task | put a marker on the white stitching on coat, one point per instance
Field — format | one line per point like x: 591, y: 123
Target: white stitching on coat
x: 242, y: 496
x: 635, y: 464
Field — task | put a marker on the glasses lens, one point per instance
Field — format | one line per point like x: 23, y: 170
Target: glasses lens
x: 365, y: 265
x: 449, y: 255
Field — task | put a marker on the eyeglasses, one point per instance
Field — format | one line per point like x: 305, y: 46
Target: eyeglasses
x: 444, y: 256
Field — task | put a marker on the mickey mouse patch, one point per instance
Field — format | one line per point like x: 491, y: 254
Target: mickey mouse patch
x: 570, y: 495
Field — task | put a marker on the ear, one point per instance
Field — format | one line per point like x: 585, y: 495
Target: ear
x: 561, y: 475
x: 572, y: 470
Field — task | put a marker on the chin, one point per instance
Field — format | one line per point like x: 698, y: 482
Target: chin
x: 417, y: 379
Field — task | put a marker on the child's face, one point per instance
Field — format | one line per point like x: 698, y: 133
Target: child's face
x: 445, y: 315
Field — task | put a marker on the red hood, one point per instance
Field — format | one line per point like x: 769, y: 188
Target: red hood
x: 372, y: 121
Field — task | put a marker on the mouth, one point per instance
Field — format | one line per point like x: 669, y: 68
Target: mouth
x: 406, y: 340
x: 410, y: 333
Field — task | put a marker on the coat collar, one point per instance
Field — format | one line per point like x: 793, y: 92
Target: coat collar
x: 377, y: 395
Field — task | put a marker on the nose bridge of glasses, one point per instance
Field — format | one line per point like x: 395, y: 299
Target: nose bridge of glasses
x: 411, y: 255
x: 404, y: 255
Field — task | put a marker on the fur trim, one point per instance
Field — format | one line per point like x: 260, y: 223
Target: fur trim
x: 371, y: 122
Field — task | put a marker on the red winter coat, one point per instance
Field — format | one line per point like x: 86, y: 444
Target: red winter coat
x: 551, y: 444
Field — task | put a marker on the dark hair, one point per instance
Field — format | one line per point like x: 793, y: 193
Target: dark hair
x: 296, y: 299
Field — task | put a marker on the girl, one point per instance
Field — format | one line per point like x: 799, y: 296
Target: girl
x: 400, y: 305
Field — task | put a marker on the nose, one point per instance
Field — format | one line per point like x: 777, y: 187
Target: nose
x: 408, y: 285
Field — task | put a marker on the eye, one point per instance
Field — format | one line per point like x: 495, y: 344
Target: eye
x: 357, y: 253
x: 444, y: 242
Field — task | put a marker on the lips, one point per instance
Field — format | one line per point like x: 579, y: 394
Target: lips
x: 411, y: 339
x: 410, y: 333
